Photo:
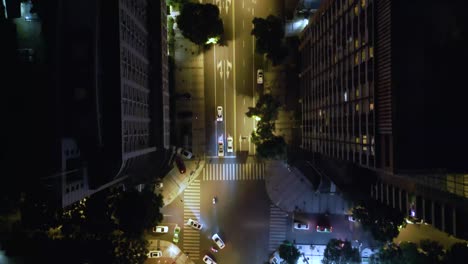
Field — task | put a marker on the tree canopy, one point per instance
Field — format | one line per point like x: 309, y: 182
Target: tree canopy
x: 289, y: 252
x: 269, y: 146
x: 427, y: 251
x: 137, y: 211
x: 269, y: 34
x: 340, y: 252
x: 200, y: 22
x: 382, y: 221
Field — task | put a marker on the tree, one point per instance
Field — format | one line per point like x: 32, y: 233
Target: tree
x: 268, y: 145
x: 458, y: 253
x: 200, y: 23
x: 177, y: 3
x: 433, y: 250
x: 289, y: 252
x: 129, y: 249
x: 383, y: 221
x: 340, y: 252
x: 136, y: 211
x: 269, y: 34
x: 274, y: 148
x: 388, y: 254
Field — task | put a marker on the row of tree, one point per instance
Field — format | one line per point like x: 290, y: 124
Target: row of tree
x: 427, y: 251
x: 269, y: 146
x: 106, y: 226
x: 341, y: 252
x: 201, y: 24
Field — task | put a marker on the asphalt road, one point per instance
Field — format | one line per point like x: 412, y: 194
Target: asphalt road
x: 230, y: 74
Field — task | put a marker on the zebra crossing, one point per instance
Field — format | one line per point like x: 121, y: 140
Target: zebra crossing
x: 234, y: 172
x: 278, y: 227
x: 191, y: 237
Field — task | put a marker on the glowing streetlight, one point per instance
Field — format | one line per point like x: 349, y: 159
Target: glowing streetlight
x: 257, y: 118
x: 212, y: 40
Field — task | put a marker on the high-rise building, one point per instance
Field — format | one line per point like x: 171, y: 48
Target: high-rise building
x: 380, y: 83
x: 112, y: 89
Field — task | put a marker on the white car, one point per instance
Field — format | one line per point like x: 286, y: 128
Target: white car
x: 259, y: 76
x: 219, y: 116
x: 219, y: 242
x: 160, y: 229
x: 154, y: 254
x: 230, y: 147
x: 194, y: 224
x: 301, y: 226
x: 184, y: 153
x: 208, y: 260
x: 220, y: 148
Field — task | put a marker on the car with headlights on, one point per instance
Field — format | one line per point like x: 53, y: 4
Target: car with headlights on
x: 219, y: 114
x: 219, y: 242
x: 208, y: 260
x: 194, y: 224
x: 160, y: 229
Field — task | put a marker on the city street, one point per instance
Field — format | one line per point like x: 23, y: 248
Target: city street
x: 230, y: 74
x: 240, y: 216
x: 244, y: 217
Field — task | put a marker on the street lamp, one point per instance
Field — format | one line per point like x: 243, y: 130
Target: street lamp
x: 212, y: 40
x: 257, y: 118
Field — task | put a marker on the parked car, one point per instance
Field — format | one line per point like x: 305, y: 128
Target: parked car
x: 230, y: 145
x: 175, y: 239
x: 219, y: 115
x: 301, y: 226
x: 259, y: 76
x: 323, y: 225
x: 154, y: 254
x: 208, y: 260
x: 219, y: 242
x: 184, y: 153
x: 220, y: 148
x: 194, y: 224
x: 160, y: 229
x: 180, y: 164
x: 183, y: 96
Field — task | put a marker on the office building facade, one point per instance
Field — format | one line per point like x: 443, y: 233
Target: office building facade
x: 380, y: 90
x: 113, y: 106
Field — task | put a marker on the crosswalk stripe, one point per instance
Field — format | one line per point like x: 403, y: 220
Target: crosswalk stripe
x: 191, y: 238
x: 278, y: 226
x: 231, y: 172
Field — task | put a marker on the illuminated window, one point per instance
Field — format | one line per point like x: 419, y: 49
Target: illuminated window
x: 320, y: 112
x: 356, y: 59
x: 364, y: 139
x: 363, y: 55
x: 357, y: 140
x: 357, y: 92
x: 356, y: 10
x: 371, y: 106
x: 345, y: 95
x: 363, y: 3
x: 371, y: 52
x: 356, y: 43
x: 357, y: 107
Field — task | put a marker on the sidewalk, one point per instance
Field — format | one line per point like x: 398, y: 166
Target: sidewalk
x: 174, y: 183
x: 291, y: 191
x: 171, y: 253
